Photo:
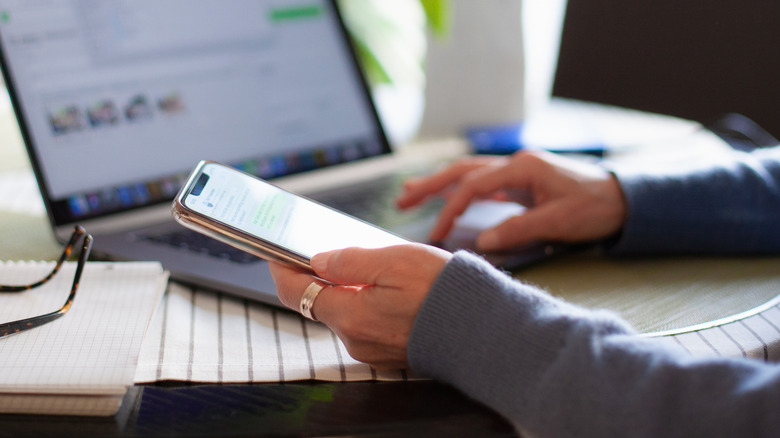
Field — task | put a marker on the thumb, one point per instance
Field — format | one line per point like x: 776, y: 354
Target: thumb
x: 531, y: 225
x: 349, y: 266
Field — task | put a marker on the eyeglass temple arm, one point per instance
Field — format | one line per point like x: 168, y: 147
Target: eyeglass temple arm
x: 78, y: 231
x: 13, y: 327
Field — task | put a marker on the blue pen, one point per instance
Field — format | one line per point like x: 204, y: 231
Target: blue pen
x: 507, y: 139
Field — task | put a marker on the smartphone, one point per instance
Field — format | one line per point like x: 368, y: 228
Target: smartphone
x: 265, y: 220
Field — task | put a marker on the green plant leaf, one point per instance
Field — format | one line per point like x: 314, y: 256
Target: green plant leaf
x: 437, y: 13
x: 389, y: 37
x: 375, y: 73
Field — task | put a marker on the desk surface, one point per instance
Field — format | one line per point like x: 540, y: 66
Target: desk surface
x: 674, y: 293
x: 411, y: 409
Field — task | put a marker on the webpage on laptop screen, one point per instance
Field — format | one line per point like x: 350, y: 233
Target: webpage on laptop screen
x: 141, y: 90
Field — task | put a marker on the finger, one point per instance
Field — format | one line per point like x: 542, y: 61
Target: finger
x: 417, y: 190
x: 331, y: 304
x: 478, y: 184
x: 533, y: 225
x: 353, y: 266
x: 364, y: 266
x: 290, y: 283
x: 379, y: 357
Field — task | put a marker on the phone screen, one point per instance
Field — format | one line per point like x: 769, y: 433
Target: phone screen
x: 277, y: 216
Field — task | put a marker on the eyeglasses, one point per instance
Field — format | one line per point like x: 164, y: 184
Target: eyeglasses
x: 21, y: 325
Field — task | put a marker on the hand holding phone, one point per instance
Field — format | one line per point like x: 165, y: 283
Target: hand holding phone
x: 265, y: 220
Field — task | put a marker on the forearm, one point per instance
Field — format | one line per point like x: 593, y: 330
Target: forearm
x: 557, y: 370
x: 725, y: 208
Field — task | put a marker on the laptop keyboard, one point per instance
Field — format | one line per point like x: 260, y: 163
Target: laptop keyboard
x: 372, y: 201
x: 193, y: 241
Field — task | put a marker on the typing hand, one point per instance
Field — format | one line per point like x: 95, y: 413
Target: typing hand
x: 571, y: 201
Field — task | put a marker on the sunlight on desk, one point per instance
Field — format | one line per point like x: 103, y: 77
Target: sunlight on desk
x: 661, y: 294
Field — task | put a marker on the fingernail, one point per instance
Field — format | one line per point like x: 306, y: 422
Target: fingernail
x: 319, y: 263
x: 488, y: 240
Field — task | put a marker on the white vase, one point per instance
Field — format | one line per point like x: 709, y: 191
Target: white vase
x: 474, y: 75
x: 400, y: 108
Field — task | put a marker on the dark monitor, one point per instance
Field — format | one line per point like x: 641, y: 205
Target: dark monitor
x: 692, y: 59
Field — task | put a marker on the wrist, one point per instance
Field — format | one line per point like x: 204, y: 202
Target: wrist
x: 615, y: 206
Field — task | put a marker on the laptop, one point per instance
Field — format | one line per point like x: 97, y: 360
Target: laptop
x: 117, y: 101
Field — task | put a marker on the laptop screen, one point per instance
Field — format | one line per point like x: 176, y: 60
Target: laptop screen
x: 695, y: 60
x: 118, y: 100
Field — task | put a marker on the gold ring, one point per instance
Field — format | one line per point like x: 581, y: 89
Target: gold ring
x: 307, y: 299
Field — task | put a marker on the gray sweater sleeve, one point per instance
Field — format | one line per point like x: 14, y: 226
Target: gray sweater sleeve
x: 556, y: 370
x: 730, y: 206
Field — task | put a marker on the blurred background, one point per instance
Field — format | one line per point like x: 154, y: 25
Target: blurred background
x: 436, y: 66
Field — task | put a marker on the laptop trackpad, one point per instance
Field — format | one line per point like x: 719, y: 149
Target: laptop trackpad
x: 485, y: 214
